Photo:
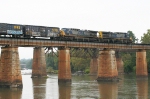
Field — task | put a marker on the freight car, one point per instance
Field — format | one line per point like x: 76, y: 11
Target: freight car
x: 28, y: 31
x: 11, y: 29
x: 40, y: 31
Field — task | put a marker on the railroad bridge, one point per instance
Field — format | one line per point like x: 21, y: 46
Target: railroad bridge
x: 105, y: 65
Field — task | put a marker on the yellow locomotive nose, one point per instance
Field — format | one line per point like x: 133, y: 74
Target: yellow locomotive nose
x: 131, y: 40
x: 62, y: 33
x: 100, y: 34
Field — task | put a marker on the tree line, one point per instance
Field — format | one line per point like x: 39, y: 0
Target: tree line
x: 83, y: 64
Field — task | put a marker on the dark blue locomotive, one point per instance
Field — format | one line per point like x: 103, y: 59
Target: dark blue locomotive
x: 101, y: 36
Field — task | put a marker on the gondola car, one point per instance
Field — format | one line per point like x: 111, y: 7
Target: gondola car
x: 14, y: 30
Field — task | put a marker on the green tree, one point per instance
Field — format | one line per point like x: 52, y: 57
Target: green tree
x: 79, y: 64
x: 52, y: 61
x: 129, y: 60
x: 131, y: 34
x: 146, y: 37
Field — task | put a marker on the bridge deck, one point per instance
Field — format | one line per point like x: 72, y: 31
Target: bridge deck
x: 26, y: 42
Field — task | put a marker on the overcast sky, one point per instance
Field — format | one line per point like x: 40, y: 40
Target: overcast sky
x: 103, y: 15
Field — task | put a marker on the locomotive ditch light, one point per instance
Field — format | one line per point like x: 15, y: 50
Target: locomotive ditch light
x: 97, y: 34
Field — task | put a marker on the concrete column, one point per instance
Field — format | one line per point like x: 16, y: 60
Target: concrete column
x: 39, y: 63
x: 64, y: 70
x: 141, y: 64
x: 10, y: 73
x: 120, y: 64
x: 107, y: 68
x: 94, y: 66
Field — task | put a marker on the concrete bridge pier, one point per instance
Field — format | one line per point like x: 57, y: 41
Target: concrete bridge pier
x: 93, y: 66
x: 64, y: 70
x: 10, y: 72
x: 107, y: 68
x: 141, y: 64
x: 120, y: 63
x: 39, y: 63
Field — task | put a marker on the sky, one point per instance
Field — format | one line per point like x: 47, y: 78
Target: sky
x: 99, y: 15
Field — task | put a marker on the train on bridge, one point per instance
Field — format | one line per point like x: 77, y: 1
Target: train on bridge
x: 55, y: 33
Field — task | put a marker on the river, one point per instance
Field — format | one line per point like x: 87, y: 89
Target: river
x: 82, y: 87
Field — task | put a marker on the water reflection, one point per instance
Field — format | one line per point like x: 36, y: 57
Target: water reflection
x: 108, y: 90
x: 39, y: 88
x: 82, y: 87
x: 64, y: 90
x: 142, y: 88
x: 93, y: 78
x: 10, y: 93
x: 121, y: 82
x: 52, y: 87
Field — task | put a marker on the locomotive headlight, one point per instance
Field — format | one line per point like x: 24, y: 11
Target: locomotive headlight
x: 97, y: 34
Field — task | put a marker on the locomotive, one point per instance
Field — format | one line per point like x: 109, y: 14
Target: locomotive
x: 32, y: 31
x: 100, y: 36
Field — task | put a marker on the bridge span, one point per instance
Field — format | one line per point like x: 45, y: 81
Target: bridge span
x: 106, y: 65
x: 27, y: 42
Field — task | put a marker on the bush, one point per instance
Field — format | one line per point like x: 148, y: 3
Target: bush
x: 134, y: 69
x: 87, y: 71
x: 50, y: 70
